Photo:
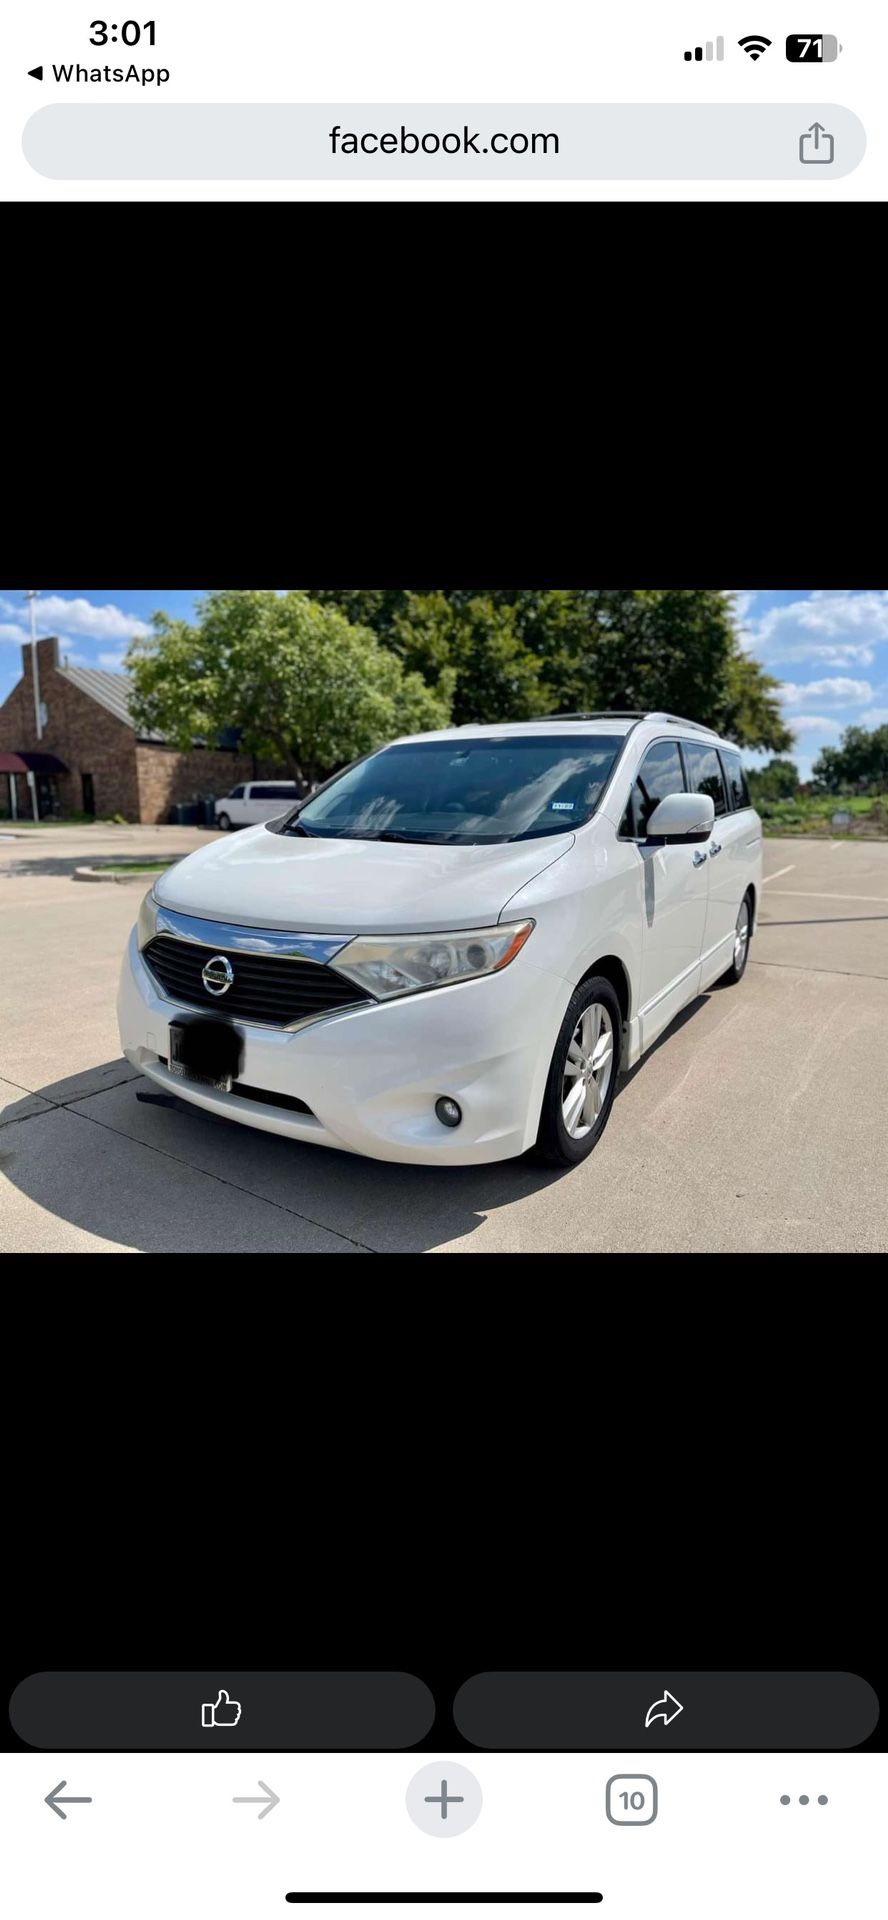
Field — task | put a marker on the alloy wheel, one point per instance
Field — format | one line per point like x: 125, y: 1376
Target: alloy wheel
x: 587, y: 1070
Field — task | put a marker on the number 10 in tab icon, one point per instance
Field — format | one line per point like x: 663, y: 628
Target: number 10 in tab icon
x: 631, y: 1799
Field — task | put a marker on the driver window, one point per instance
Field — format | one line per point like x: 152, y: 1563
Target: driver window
x: 660, y: 773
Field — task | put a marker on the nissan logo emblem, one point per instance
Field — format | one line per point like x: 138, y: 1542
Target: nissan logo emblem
x: 218, y: 974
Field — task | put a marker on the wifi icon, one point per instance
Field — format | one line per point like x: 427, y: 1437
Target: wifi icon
x: 754, y: 44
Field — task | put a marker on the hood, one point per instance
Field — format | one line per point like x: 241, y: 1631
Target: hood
x: 262, y: 879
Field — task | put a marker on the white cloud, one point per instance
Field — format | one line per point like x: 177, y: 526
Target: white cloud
x: 113, y: 661
x: 838, y: 654
x: 13, y: 634
x: 873, y: 717
x: 832, y: 629
x: 742, y: 603
x: 55, y: 614
x: 841, y: 693
x: 830, y: 614
x: 812, y: 723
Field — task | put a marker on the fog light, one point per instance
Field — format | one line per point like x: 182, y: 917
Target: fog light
x: 448, y: 1112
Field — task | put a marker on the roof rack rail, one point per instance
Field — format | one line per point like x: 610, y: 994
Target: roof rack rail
x: 635, y: 713
x: 679, y: 720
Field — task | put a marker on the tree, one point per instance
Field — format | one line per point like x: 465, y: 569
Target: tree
x: 862, y: 757
x: 750, y: 712
x: 306, y: 688
x: 518, y: 652
x: 779, y: 780
x: 496, y: 677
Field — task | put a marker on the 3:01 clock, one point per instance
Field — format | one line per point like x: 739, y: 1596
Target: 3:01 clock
x: 130, y: 32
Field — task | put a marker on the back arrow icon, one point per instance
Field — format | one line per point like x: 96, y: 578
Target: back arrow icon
x: 68, y: 1800
x: 666, y: 1709
x: 271, y: 1799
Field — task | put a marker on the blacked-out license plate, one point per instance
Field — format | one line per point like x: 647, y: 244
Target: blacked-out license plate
x: 209, y: 1051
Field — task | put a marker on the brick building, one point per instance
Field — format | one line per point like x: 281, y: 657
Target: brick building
x: 90, y: 758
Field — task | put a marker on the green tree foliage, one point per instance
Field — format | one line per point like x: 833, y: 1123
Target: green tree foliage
x: 779, y: 780
x: 517, y: 653
x: 308, y: 689
x: 862, y: 758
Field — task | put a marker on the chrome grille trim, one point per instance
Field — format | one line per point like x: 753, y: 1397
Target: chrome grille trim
x: 317, y: 947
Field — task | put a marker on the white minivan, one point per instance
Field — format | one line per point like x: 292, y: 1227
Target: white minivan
x: 451, y: 950
x: 254, y: 801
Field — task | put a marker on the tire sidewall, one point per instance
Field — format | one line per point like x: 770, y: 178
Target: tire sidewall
x: 733, y: 972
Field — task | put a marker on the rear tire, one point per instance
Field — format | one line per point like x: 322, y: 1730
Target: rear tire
x: 223, y: 821
x: 742, y: 936
x: 583, y: 1075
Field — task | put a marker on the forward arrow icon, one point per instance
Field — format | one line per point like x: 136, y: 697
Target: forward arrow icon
x: 266, y: 1800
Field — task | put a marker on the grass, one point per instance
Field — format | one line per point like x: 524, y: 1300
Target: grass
x: 812, y: 814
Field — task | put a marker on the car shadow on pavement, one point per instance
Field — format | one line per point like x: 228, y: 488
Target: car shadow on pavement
x: 109, y: 1154
x: 675, y: 1026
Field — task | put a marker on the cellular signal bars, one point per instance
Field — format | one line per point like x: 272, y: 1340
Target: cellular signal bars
x: 697, y: 53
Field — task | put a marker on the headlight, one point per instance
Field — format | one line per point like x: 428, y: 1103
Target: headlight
x: 148, y: 913
x: 412, y: 962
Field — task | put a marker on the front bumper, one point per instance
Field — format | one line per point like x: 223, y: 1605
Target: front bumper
x: 371, y: 1076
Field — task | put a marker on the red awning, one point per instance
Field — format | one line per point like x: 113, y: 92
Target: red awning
x: 30, y: 763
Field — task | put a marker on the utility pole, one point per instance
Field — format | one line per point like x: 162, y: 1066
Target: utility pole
x: 32, y: 777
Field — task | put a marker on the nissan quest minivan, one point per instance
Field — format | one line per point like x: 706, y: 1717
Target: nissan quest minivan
x: 451, y: 950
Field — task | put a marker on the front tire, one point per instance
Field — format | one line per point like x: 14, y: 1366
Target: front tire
x: 583, y: 1075
x: 742, y: 936
x: 223, y: 821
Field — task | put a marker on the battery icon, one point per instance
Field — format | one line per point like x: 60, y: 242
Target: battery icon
x: 813, y: 47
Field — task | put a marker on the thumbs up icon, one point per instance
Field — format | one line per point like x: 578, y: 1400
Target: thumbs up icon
x: 223, y: 1712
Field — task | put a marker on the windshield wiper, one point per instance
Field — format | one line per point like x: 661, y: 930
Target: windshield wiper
x: 414, y: 839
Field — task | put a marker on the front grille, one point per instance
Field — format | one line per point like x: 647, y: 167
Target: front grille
x: 267, y: 989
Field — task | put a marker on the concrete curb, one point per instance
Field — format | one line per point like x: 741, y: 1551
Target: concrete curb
x: 120, y: 879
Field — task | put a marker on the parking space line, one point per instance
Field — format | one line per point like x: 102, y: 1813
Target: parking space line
x: 796, y: 893
x: 777, y: 875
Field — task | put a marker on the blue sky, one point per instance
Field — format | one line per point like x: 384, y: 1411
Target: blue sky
x: 828, y: 650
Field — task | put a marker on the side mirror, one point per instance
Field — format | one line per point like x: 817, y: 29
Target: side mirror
x: 682, y: 816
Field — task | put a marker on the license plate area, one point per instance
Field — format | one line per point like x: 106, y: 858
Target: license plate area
x: 208, y: 1051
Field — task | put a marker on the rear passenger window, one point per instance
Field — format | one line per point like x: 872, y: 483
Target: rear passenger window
x: 737, y: 787
x: 705, y: 774
x: 660, y: 773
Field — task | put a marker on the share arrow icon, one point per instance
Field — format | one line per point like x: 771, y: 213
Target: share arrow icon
x: 667, y: 1710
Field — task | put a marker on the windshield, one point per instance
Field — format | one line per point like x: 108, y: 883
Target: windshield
x: 465, y: 791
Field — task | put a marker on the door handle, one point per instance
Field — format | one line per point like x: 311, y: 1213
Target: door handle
x: 715, y: 848
x: 699, y: 858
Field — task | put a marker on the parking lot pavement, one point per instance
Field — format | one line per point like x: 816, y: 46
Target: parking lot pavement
x: 758, y: 1122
